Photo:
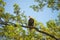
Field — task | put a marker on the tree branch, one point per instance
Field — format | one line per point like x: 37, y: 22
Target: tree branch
x: 41, y: 32
x: 33, y: 28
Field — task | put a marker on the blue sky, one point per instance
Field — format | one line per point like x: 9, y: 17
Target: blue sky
x: 41, y: 16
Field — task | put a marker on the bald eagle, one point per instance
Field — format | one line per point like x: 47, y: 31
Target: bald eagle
x: 30, y: 22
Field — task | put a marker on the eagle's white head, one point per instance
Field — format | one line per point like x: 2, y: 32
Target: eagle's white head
x: 30, y: 17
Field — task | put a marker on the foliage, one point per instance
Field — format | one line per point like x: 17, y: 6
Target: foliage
x: 53, y: 4
x: 17, y: 32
